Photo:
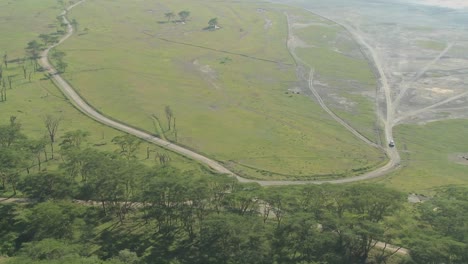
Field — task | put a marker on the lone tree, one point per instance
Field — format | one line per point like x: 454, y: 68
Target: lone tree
x: 32, y: 50
x: 213, y: 23
x: 169, y: 116
x: 52, y: 124
x: 74, y: 24
x: 5, y: 60
x: 61, y: 66
x: 184, y: 15
x: 169, y: 16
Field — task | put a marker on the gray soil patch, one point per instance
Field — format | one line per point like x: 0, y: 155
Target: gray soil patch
x: 459, y: 158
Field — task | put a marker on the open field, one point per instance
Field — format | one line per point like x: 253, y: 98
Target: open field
x: 343, y: 76
x: 424, y: 59
x: 31, y: 101
x: 431, y: 156
x: 232, y: 99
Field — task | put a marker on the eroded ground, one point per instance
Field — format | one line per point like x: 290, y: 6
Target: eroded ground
x: 423, y: 52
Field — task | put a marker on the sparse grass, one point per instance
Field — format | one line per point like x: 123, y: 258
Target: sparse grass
x: 342, y: 68
x: 425, y: 151
x: 360, y: 115
x: 319, y: 35
x: 332, y: 64
x: 235, y: 110
x: 430, y: 44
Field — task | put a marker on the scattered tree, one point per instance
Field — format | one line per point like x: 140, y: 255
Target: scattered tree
x: 61, y: 66
x: 52, y: 123
x: 74, y: 24
x: 169, y: 16
x: 183, y: 15
x: 5, y: 60
x: 213, y: 23
x: 128, y: 145
x: 169, y: 116
x: 47, y: 185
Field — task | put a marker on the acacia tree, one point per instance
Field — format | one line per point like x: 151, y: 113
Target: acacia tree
x: 4, y: 92
x: 45, y: 38
x: 52, y: 123
x: 169, y: 116
x: 32, y: 50
x: 12, y: 154
x: 183, y: 15
x: 61, y: 66
x: 70, y: 148
x: 5, y: 60
x: 48, y: 185
x: 58, y: 56
x: 359, y: 212
x: 75, y: 24
x: 169, y: 16
x: 36, y: 147
x: 213, y: 23
x: 128, y: 145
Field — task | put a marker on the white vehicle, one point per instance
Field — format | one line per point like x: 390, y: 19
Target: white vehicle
x: 391, y: 144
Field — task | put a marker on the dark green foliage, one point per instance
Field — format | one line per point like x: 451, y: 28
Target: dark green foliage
x: 48, y: 185
x: 128, y: 213
x: 52, y: 220
x: 7, y: 232
x: 442, y: 235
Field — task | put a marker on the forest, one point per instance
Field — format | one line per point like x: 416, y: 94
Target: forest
x: 97, y: 206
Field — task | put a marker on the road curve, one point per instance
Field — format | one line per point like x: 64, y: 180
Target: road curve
x: 84, y: 107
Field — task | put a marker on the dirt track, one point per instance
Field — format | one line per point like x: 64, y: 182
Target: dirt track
x: 84, y: 107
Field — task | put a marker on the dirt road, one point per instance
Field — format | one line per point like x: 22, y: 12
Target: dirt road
x: 84, y: 107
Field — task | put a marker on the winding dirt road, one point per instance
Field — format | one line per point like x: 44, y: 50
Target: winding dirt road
x: 84, y: 107
x: 390, y: 110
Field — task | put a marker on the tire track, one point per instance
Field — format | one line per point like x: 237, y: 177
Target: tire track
x: 77, y: 101
x: 427, y: 108
x: 406, y: 87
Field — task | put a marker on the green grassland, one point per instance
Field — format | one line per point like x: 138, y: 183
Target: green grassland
x: 227, y: 88
x: 22, y: 21
x: 426, y: 152
x: 348, y: 82
x: 31, y: 101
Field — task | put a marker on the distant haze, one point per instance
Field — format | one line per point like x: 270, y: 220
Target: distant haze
x: 454, y: 4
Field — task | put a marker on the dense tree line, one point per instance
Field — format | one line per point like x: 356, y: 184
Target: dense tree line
x: 126, y: 212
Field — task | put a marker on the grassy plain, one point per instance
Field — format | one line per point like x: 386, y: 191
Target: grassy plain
x: 227, y: 88
x: 342, y: 75
x: 31, y: 101
x: 427, y: 156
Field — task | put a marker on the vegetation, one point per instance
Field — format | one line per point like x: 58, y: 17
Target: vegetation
x: 126, y: 212
x: 32, y: 96
x: 183, y: 15
x: 92, y: 198
x: 237, y: 111
x: 213, y: 23
x: 429, y: 157
x: 342, y: 75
